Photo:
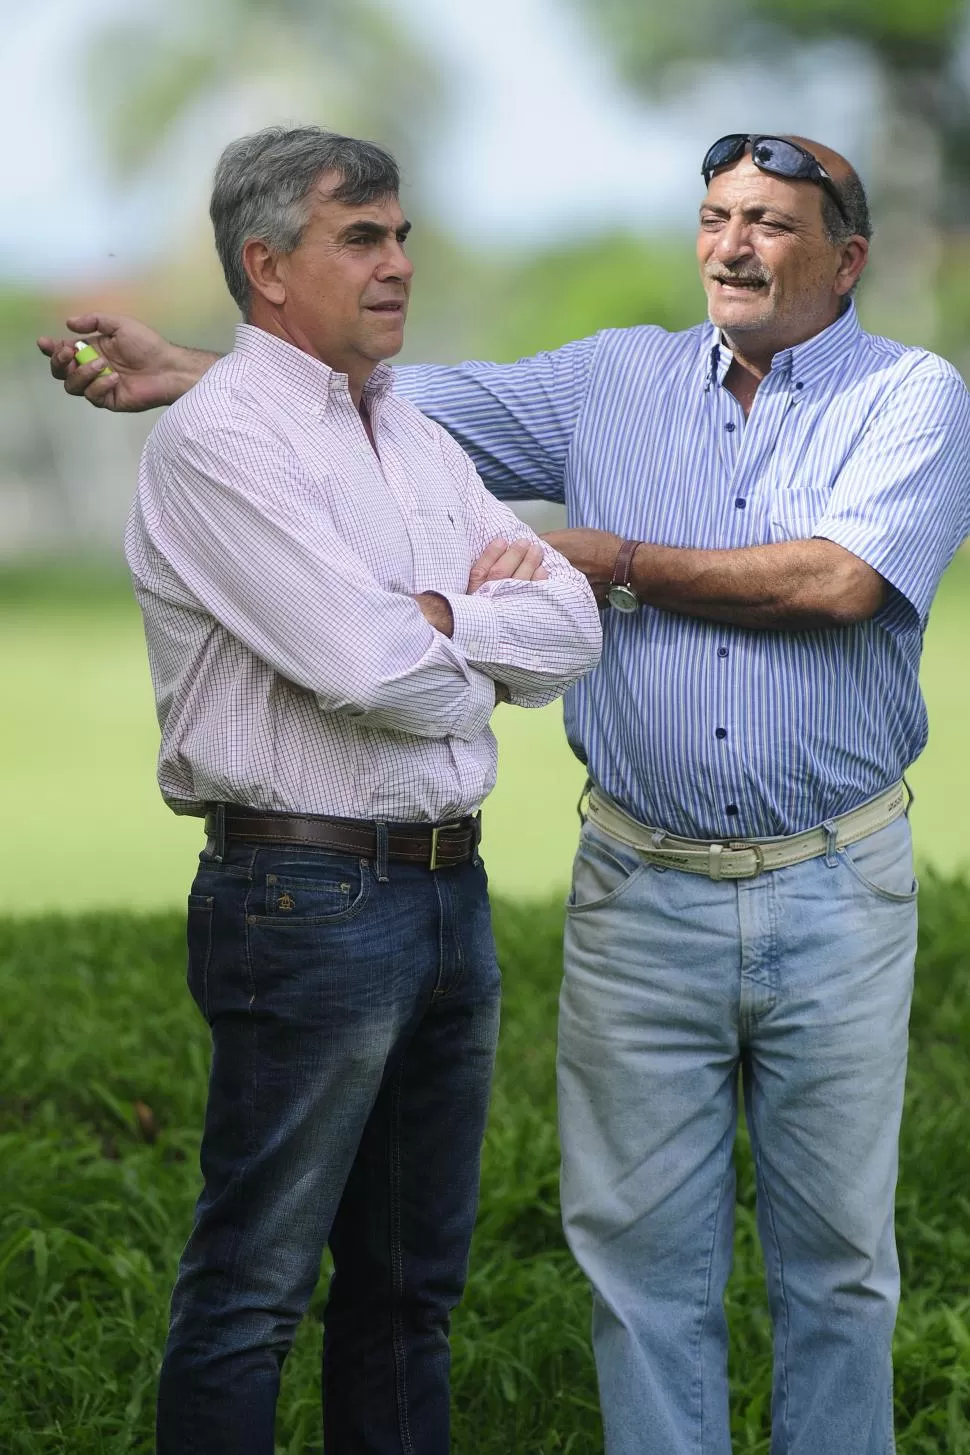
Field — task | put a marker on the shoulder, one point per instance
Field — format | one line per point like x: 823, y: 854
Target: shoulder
x: 222, y: 412
x: 625, y: 356
x: 906, y: 367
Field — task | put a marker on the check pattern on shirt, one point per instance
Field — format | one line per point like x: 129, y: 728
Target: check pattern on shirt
x: 275, y: 558
x: 709, y: 730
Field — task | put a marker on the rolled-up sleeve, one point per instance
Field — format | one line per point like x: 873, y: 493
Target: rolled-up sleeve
x: 536, y: 637
x: 274, y: 576
x: 902, y: 501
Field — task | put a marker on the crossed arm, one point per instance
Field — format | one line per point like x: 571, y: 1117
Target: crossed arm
x: 792, y: 585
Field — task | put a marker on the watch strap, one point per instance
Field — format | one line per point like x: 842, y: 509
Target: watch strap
x: 623, y: 563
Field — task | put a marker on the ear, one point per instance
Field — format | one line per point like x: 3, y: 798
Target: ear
x: 263, y: 271
x: 855, y: 255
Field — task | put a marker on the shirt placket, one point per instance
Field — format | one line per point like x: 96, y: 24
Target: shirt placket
x: 746, y: 448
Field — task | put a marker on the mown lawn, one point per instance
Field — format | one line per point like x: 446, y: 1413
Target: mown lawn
x: 101, y: 1085
x: 78, y: 740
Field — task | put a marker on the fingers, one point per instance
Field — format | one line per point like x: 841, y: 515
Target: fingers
x: 480, y: 568
x: 99, y: 323
x: 504, y: 560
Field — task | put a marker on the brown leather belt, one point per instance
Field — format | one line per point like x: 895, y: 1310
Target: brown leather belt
x: 435, y: 845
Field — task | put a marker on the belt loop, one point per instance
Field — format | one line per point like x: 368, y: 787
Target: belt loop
x: 476, y: 837
x: 380, y: 858
x: 219, y: 833
x: 584, y: 796
x: 831, y: 843
x: 715, y: 860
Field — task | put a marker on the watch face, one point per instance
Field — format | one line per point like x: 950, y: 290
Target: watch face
x: 621, y: 598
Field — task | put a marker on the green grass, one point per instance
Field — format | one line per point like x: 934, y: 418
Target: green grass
x: 96, y: 1017
x: 78, y: 740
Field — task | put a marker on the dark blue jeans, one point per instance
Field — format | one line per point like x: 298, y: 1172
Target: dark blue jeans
x: 353, y: 1026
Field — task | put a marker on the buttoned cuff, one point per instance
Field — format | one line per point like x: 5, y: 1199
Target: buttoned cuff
x: 476, y: 632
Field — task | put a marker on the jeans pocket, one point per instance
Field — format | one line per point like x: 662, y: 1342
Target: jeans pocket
x: 198, y: 936
x: 603, y: 870
x: 883, y: 863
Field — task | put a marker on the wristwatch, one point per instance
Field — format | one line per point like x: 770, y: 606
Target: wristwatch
x: 621, y: 594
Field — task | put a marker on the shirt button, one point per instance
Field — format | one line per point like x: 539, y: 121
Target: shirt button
x: 799, y: 386
x: 729, y: 428
x: 740, y: 504
x: 720, y: 732
x: 722, y: 651
x: 732, y: 809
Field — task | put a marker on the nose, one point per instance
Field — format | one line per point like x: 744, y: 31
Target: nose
x: 733, y: 241
x: 395, y: 265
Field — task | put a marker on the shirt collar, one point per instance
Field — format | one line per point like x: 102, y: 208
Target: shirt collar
x: 805, y: 364
x: 299, y: 376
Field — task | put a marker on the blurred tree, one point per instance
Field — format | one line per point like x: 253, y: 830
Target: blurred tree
x: 611, y: 282
x: 920, y: 164
x: 346, y: 62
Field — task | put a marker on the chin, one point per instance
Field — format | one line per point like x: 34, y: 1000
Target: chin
x: 736, y: 318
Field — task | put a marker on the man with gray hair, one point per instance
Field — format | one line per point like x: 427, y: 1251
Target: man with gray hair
x: 333, y: 606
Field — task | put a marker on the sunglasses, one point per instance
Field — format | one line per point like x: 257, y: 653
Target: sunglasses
x: 774, y: 155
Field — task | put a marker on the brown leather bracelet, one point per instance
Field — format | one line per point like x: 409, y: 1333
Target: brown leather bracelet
x: 624, y: 563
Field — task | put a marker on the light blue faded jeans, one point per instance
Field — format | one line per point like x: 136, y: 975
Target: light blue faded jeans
x: 800, y: 981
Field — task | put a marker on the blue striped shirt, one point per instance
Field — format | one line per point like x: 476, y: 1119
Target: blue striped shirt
x: 699, y: 728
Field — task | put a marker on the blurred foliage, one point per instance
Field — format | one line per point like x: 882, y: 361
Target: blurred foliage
x: 648, y: 38
x: 348, y: 61
x: 609, y: 282
x: 915, y: 44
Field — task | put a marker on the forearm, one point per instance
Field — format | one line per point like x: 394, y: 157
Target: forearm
x: 790, y: 585
x: 440, y: 697
x: 536, y: 637
x: 185, y: 368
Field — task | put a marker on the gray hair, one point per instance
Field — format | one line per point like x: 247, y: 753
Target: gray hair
x: 263, y: 185
x: 852, y: 195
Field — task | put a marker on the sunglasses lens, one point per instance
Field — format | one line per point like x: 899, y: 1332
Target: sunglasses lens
x: 784, y: 159
x: 726, y: 149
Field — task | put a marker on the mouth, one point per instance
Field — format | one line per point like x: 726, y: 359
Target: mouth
x: 737, y: 286
x: 391, y: 309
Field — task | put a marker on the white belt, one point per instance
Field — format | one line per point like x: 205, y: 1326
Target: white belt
x: 745, y: 858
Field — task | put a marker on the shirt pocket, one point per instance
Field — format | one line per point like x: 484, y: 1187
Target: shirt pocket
x: 795, y: 510
x: 442, y: 554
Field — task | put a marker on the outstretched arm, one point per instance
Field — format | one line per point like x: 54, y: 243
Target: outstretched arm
x: 146, y: 370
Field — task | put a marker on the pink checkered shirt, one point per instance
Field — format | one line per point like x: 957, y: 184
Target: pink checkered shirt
x: 275, y: 558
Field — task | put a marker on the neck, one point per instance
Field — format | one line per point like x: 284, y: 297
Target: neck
x: 752, y: 354
x: 358, y: 370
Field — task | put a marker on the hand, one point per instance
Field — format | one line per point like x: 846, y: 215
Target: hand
x: 147, y: 371
x: 593, y: 552
x: 502, y: 560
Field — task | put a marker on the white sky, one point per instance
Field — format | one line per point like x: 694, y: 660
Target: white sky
x: 540, y: 145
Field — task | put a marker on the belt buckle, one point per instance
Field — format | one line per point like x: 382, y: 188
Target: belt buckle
x: 759, y: 858
x: 433, y: 860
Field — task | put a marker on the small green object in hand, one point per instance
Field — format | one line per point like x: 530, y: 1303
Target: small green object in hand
x: 85, y: 354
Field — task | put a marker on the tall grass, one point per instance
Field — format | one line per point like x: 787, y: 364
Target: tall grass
x: 102, y: 1080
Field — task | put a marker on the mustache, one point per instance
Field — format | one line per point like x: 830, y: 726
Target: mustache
x: 739, y: 275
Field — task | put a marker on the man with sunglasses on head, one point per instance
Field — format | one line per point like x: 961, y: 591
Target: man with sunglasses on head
x: 766, y: 502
